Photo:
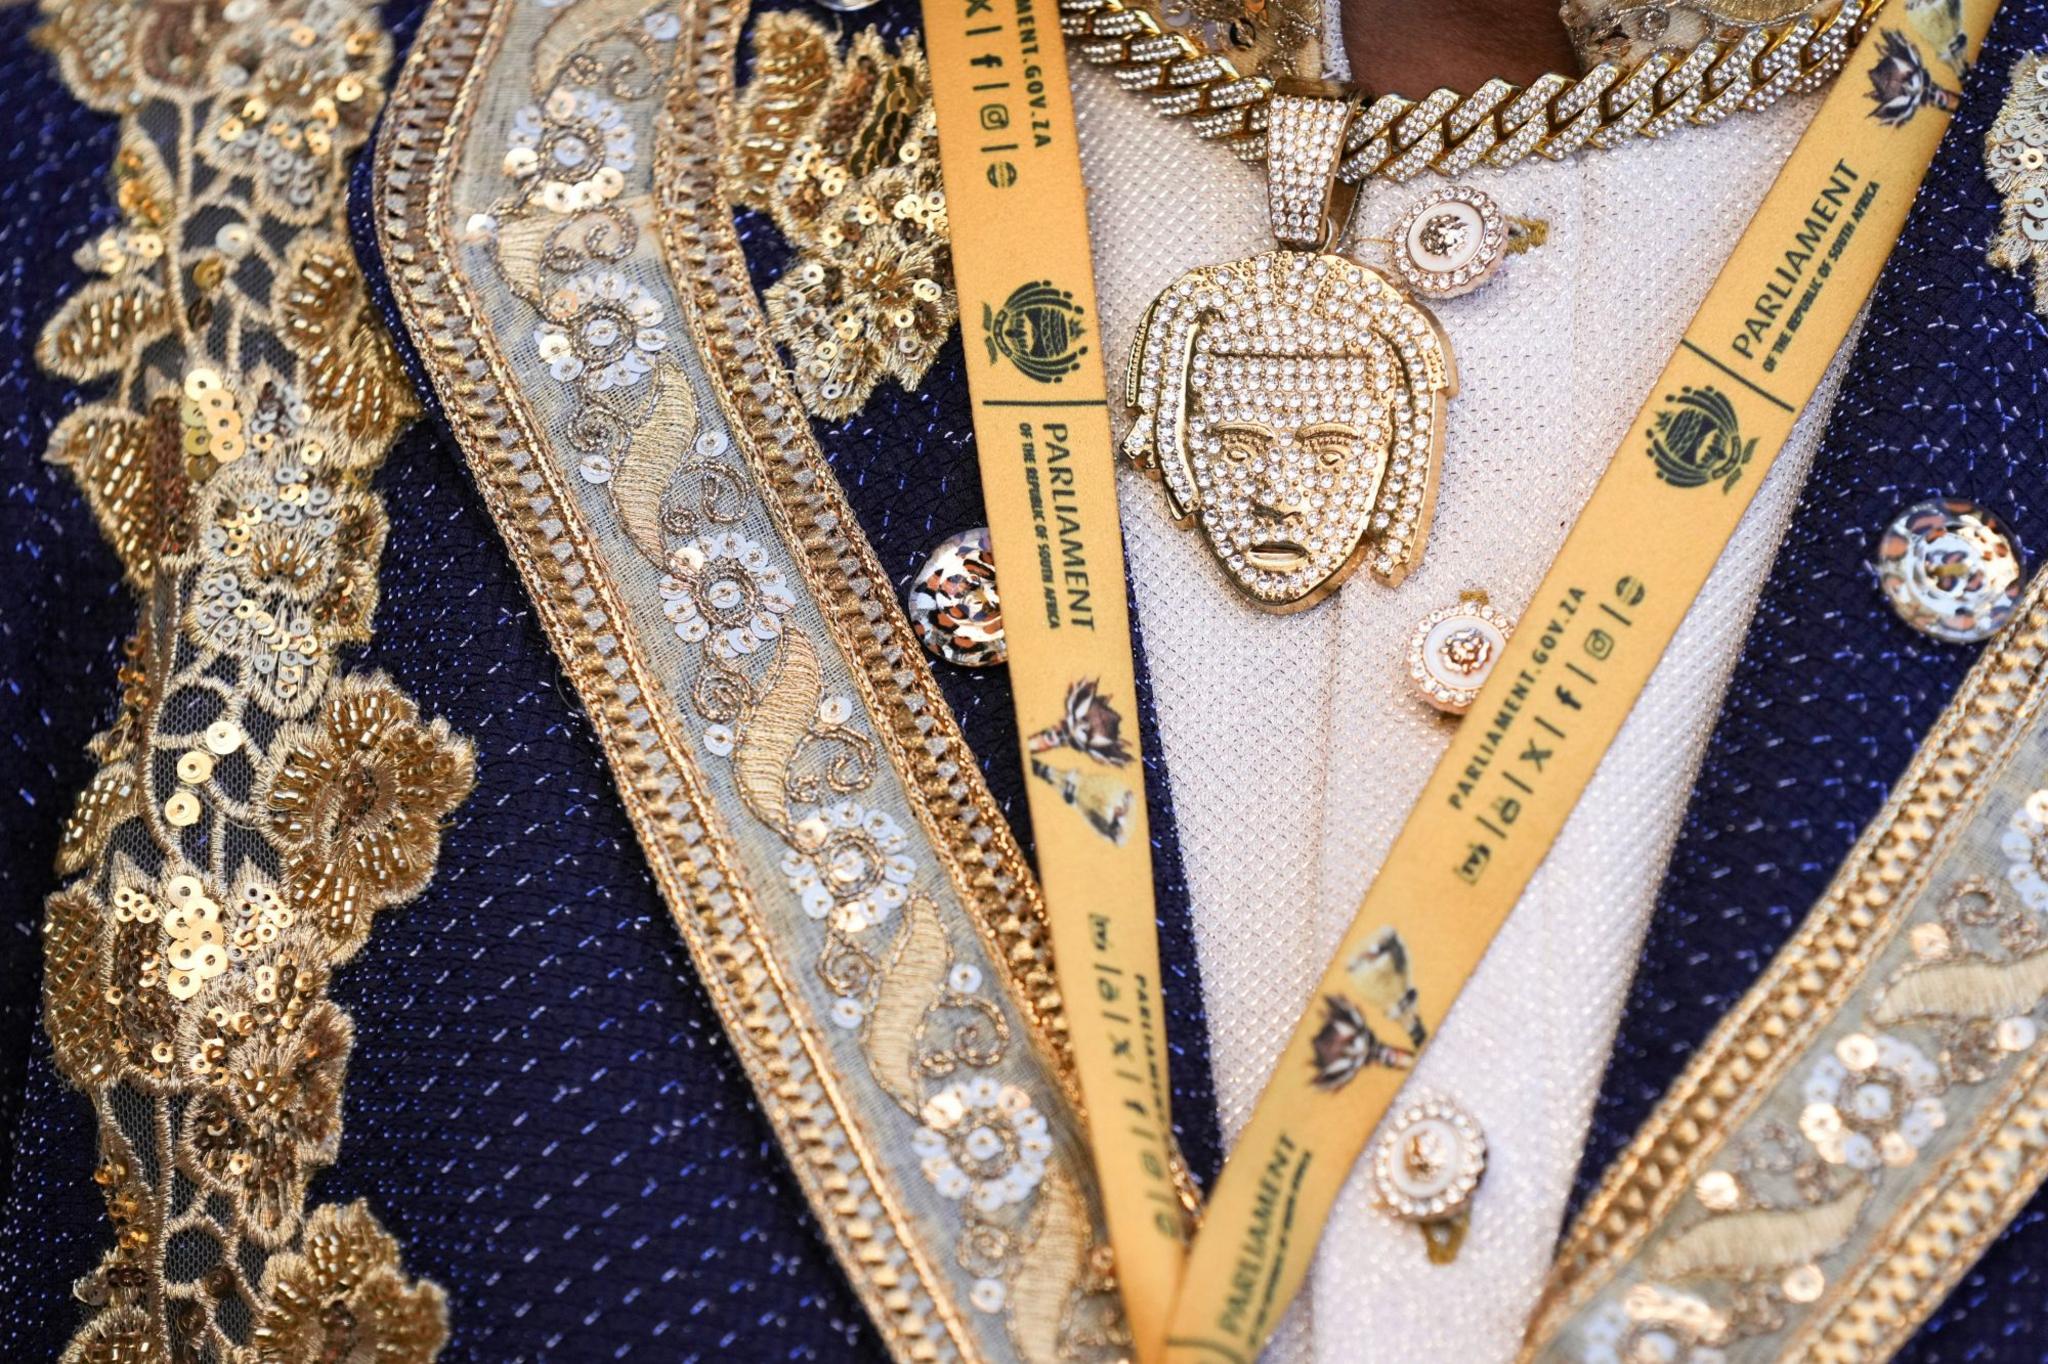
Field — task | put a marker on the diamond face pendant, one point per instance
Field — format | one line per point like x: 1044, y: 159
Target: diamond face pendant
x: 1293, y: 406
x: 1293, y: 402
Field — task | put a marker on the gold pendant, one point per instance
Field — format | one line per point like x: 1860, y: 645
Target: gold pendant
x: 1292, y: 403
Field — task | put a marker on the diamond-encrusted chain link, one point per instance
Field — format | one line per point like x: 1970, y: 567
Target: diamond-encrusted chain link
x: 1497, y: 125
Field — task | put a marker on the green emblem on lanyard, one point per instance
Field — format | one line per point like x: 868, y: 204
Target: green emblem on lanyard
x: 1038, y: 329
x: 1696, y: 440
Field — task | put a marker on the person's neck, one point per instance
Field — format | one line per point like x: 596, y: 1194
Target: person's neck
x: 1411, y: 47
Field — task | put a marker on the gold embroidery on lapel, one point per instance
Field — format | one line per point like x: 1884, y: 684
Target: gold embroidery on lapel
x: 2016, y: 159
x: 865, y: 923
x: 906, y: 987
x: 1871, y: 1114
x: 842, y: 152
x: 254, y: 810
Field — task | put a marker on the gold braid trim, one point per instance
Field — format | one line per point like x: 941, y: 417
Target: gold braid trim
x: 1497, y: 125
x: 255, y: 807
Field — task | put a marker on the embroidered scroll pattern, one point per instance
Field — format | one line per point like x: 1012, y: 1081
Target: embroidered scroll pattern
x: 255, y: 808
x: 806, y: 812
x: 1270, y: 38
x: 1876, y: 1109
x: 2016, y: 159
x: 1624, y: 31
x: 799, y: 762
x: 841, y: 150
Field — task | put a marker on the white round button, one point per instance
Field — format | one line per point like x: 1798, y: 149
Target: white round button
x: 1429, y: 1163
x: 1453, y: 650
x: 1451, y: 242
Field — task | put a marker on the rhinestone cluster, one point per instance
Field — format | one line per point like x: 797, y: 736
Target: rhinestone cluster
x: 1174, y: 65
x: 1429, y: 1163
x: 1302, y: 143
x: 1451, y: 242
x: 1293, y: 403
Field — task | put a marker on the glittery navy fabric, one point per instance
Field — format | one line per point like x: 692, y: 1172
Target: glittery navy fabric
x: 1947, y: 394
x: 63, y: 614
x: 542, y: 1105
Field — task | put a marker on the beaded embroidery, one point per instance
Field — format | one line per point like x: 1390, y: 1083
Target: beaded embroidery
x: 254, y: 808
x: 1871, y: 1114
x: 2016, y: 159
x: 866, y: 926
x: 841, y: 150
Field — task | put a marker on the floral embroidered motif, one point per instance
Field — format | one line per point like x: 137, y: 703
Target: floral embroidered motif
x: 837, y: 871
x: 724, y: 590
x: 564, y: 236
x: 355, y: 805
x: 2016, y: 159
x: 607, y: 329
x: 575, y: 148
x: 1872, y: 1107
x: 1873, y: 1099
x: 842, y: 151
x: 296, y: 90
x: 253, y: 809
x: 984, y: 1142
x: 350, y: 372
x: 980, y: 1140
x: 342, y: 1297
x: 848, y: 865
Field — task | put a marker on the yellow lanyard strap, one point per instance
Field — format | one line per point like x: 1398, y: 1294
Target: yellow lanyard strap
x: 1048, y: 472
x: 1631, y: 567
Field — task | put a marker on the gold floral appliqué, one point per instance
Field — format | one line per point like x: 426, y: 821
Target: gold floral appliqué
x: 2016, y: 159
x: 841, y: 150
x: 255, y: 808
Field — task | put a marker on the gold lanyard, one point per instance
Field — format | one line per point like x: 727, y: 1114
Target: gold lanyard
x: 1635, y: 560
x: 1048, y: 471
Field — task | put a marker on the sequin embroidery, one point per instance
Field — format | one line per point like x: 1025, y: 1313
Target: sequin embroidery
x: 255, y: 806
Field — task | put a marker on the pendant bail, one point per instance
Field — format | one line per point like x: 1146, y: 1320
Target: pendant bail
x: 1307, y: 204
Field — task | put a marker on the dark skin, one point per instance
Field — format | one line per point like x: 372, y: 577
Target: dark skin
x: 1411, y: 47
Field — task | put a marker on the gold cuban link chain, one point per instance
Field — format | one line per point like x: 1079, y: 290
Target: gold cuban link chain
x: 1498, y: 125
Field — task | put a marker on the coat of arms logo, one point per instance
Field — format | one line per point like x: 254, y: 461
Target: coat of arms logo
x: 1697, y: 440
x: 1038, y: 329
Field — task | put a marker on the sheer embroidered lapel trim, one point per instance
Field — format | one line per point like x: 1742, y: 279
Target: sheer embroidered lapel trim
x: 257, y: 806
x: 862, y: 917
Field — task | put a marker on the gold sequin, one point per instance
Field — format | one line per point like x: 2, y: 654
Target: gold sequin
x: 2016, y: 160
x: 195, y: 768
x: 1805, y: 1284
x: 223, y: 737
x: 1718, y: 1191
x: 182, y: 810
